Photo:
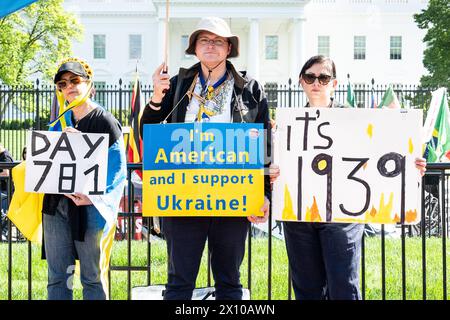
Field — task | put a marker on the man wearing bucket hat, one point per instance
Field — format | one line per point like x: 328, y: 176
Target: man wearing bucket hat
x: 79, y: 226
x: 209, y: 91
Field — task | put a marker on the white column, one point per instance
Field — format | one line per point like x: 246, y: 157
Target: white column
x: 297, y: 49
x: 253, y: 49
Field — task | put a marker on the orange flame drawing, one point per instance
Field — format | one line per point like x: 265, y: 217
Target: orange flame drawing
x: 411, y: 216
x: 312, y: 214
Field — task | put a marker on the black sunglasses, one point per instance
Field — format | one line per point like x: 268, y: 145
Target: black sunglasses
x: 324, y: 79
x: 62, y: 84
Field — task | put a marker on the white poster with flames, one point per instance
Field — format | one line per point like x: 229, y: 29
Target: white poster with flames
x: 347, y: 165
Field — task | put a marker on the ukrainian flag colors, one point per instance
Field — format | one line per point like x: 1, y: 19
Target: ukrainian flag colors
x: 438, y: 148
x: 10, y: 6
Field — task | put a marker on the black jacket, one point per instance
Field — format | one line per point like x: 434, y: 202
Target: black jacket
x: 248, y: 104
x: 5, y: 156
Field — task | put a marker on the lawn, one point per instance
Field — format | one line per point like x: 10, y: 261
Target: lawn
x: 14, y: 141
x: 259, y: 267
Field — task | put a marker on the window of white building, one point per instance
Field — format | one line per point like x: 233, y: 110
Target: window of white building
x: 135, y: 46
x: 100, y: 95
x: 396, y: 48
x: 359, y: 47
x: 323, y: 45
x: 271, y: 47
x: 360, y: 91
x: 99, y: 46
x: 184, y: 45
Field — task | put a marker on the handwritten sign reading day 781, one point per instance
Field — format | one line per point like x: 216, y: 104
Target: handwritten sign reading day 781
x: 59, y: 162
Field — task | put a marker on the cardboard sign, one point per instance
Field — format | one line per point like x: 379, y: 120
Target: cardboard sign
x: 69, y: 162
x: 348, y: 165
x: 203, y: 169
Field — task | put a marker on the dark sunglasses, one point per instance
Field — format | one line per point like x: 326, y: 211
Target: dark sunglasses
x: 324, y: 79
x: 62, y: 84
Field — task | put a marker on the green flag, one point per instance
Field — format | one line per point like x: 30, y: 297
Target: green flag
x: 439, y: 145
x: 389, y: 99
x: 350, y: 101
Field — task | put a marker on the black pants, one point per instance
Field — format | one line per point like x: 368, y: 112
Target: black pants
x: 186, y: 238
x: 324, y: 259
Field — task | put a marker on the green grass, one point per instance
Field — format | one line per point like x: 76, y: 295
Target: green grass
x: 14, y: 141
x: 259, y: 267
x: 413, y: 269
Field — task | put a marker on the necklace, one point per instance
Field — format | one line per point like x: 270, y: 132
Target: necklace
x: 82, y: 116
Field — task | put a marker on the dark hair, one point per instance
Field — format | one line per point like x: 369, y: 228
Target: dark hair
x: 321, y: 60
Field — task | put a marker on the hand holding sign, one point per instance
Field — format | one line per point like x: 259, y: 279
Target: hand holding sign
x: 79, y: 199
x: 274, y: 172
x: 265, y: 209
x: 71, y: 129
x: 161, y: 83
x: 421, y: 165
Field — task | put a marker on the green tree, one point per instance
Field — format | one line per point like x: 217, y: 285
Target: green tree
x: 436, y: 20
x: 32, y: 41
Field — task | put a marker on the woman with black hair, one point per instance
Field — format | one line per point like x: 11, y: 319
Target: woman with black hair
x: 324, y: 258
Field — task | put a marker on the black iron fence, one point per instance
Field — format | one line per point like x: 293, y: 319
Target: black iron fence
x: 419, y: 252
x: 23, y: 108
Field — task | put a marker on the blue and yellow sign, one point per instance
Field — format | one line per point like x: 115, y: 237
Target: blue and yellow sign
x: 203, y: 169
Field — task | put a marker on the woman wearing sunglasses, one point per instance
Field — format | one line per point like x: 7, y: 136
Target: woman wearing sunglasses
x: 79, y: 226
x: 324, y: 258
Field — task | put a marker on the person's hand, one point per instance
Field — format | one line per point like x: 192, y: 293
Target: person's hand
x: 265, y: 209
x: 421, y: 165
x: 71, y: 129
x: 79, y: 199
x: 161, y: 82
x: 274, y: 172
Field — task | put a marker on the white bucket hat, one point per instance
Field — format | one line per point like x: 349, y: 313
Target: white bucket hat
x: 217, y: 26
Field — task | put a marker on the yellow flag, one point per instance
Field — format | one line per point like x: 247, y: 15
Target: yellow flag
x: 25, y: 209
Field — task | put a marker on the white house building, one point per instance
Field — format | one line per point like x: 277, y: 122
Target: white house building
x: 366, y: 38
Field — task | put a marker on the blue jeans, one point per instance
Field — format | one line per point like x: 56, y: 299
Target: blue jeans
x: 324, y: 259
x: 186, y: 238
x: 61, y: 251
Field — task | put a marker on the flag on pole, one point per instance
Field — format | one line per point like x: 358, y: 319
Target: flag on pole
x: 25, y: 209
x: 373, y: 104
x: 54, y: 108
x: 10, y: 6
x: 350, y: 100
x: 389, y: 99
x: 134, y: 141
x: 438, y: 147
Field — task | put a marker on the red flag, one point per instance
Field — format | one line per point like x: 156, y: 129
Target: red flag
x: 134, y: 145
